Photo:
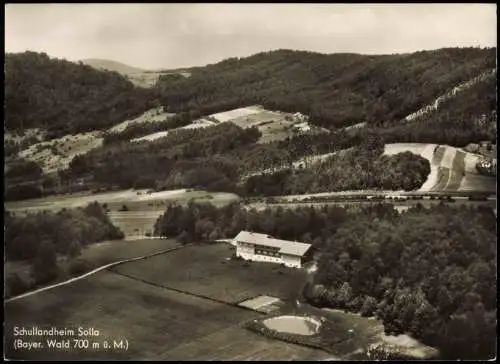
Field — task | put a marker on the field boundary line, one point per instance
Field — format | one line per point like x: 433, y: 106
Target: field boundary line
x: 98, y: 269
x: 197, y: 295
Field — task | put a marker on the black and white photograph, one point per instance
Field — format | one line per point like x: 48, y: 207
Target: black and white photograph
x: 250, y: 182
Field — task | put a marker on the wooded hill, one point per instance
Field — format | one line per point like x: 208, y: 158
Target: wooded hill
x: 66, y: 98
x: 335, y: 90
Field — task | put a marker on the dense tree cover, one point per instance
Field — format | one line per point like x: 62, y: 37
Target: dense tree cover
x: 184, y: 158
x: 22, y: 180
x: 335, y: 90
x: 355, y: 169
x: 23, y: 169
x: 430, y: 273
x: 283, y: 153
x: 65, y: 231
x: 216, y: 158
x: 22, y: 191
x: 427, y: 272
x: 64, y: 97
x: 205, y: 221
x: 468, y: 117
x: 137, y: 130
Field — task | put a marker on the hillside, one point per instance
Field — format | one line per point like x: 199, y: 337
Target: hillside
x: 109, y: 65
x: 335, y: 90
x: 66, y: 98
x: 445, y: 97
x: 453, y: 118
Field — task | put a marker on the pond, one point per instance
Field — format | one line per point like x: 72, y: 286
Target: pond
x: 293, y: 325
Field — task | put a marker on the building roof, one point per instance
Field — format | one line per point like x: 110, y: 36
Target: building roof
x: 285, y: 246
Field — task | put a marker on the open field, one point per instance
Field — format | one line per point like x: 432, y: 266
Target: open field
x: 274, y: 125
x: 152, y: 320
x: 149, y: 78
x: 236, y: 343
x: 151, y: 137
x: 474, y: 182
x: 200, y: 123
x: 452, y: 169
x: 159, y: 323
x: 134, y: 199
x: 210, y: 273
x: 143, y: 209
x: 112, y: 251
x: 137, y: 223
x: 222, y: 117
x: 96, y: 255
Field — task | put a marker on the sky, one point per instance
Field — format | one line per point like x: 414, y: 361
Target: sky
x: 152, y: 36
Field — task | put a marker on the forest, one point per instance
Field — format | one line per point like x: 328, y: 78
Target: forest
x: 22, y: 180
x: 467, y: 118
x: 67, y: 98
x: 217, y: 158
x: 183, y: 158
x: 335, y: 90
x: 430, y: 273
x: 427, y: 272
x: 355, y: 169
x: 44, y: 237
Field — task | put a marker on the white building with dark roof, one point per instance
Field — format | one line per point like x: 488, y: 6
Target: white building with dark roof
x: 264, y: 248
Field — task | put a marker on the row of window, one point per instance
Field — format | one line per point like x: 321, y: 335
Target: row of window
x: 267, y: 252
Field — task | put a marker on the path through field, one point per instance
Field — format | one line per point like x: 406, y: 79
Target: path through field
x: 75, y: 279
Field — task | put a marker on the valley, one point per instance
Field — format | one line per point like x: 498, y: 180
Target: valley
x: 125, y: 186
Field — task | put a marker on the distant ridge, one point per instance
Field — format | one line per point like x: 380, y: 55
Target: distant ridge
x: 112, y: 66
